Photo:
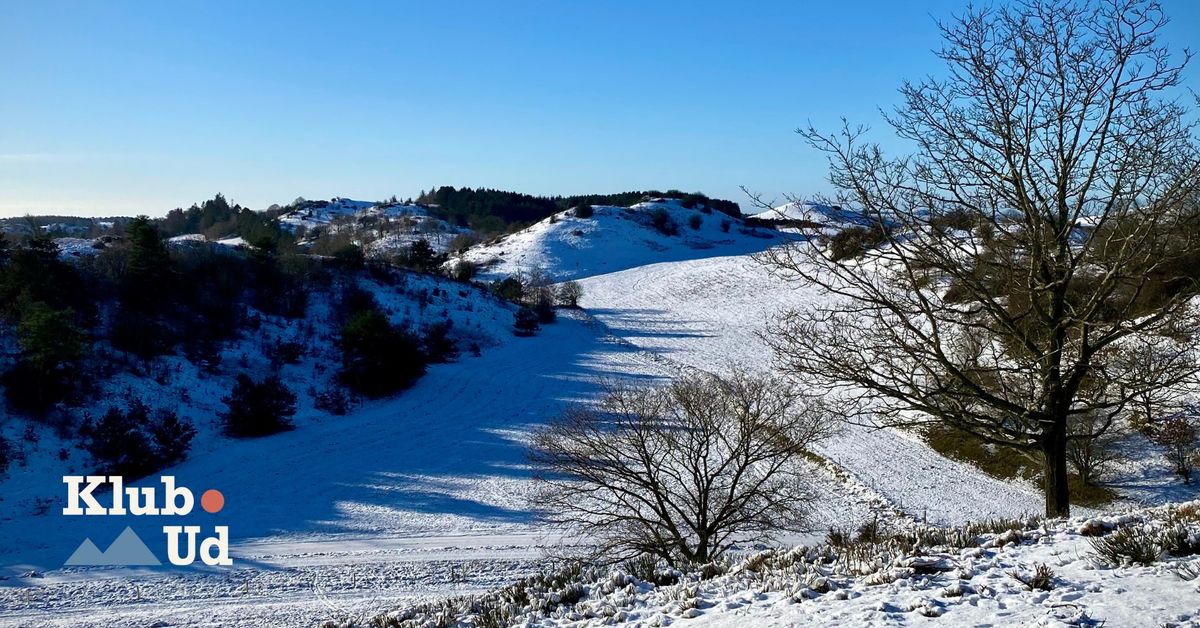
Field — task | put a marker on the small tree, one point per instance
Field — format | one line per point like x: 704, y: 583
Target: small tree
x: 569, y: 293
x: 171, y: 437
x: 584, y: 211
x: 463, y: 271
x: 539, y: 294
x: 422, y: 256
x: 117, y: 442
x: 437, y: 342
x: 1178, y: 437
x: 1094, y: 446
x: 509, y: 289
x: 259, y: 408
x: 681, y: 472
x: 51, y: 347
x: 525, y: 322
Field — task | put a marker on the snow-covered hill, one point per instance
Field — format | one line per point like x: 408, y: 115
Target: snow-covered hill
x: 815, y: 215
x: 618, y: 238
x: 381, y: 228
x: 423, y: 496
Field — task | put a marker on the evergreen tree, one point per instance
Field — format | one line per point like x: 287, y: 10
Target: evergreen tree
x: 525, y: 322
x: 149, y: 261
x: 378, y: 358
x: 422, y: 256
x: 117, y: 442
x: 259, y: 408
x: 49, y: 338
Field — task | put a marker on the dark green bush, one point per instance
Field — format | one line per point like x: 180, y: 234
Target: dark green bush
x: 525, y: 322
x: 133, y: 444
x: 258, y: 408
x: 378, y: 358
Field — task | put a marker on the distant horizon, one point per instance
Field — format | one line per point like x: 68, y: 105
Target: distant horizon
x: 139, y: 108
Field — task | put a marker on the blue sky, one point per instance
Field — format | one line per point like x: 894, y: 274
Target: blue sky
x: 139, y: 107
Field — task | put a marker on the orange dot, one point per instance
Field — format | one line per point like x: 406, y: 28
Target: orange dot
x: 212, y: 500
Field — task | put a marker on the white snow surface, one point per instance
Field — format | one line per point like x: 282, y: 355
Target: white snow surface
x: 78, y: 247
x: 423, y: 495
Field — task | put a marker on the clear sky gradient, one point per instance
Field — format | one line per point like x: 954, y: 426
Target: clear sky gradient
x: 139, y: 107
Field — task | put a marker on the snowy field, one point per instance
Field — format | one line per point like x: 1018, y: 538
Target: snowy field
x: 423, y: 496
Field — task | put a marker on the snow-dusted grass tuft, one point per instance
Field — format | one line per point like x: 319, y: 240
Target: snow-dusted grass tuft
x: 1010, y: 572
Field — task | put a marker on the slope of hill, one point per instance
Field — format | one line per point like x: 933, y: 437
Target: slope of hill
x: 618, y: 238
x: 424, y: 495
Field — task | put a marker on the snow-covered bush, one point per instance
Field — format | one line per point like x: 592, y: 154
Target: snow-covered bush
x: 1147, y: 542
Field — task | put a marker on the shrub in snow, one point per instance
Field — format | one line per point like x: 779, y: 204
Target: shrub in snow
x: 258, y: 408
x: 525, y: 322
x: 1042, y: 578
x: 662, y: 221
x: 543, y: 308
x: 5, y: 454
x: 422, y: 256
x: 509, y: 289
x: 584, y: 211
x: 1130, y: 544
x: 463, y: 271
x: 334, y: 400
x: 695, y: 220
x: 285, y: 352
x: 379, y: 358
x: 439, y: 347
x: 853, y: 242
x: 134, y: 444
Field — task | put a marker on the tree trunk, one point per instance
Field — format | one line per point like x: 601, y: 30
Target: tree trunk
x: 1054, y: 475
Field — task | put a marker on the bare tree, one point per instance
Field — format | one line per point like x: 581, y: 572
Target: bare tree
x: 1180, y: 442
x: 680, y: 472
x: 1094, y: 445
x: 1041, y: 230
x: 569, y: 293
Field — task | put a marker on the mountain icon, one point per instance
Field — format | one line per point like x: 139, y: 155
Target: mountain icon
x: 86, y: 554
x: 127, y: 550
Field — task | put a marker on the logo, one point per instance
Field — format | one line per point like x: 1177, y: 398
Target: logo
x: 129, y: 549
